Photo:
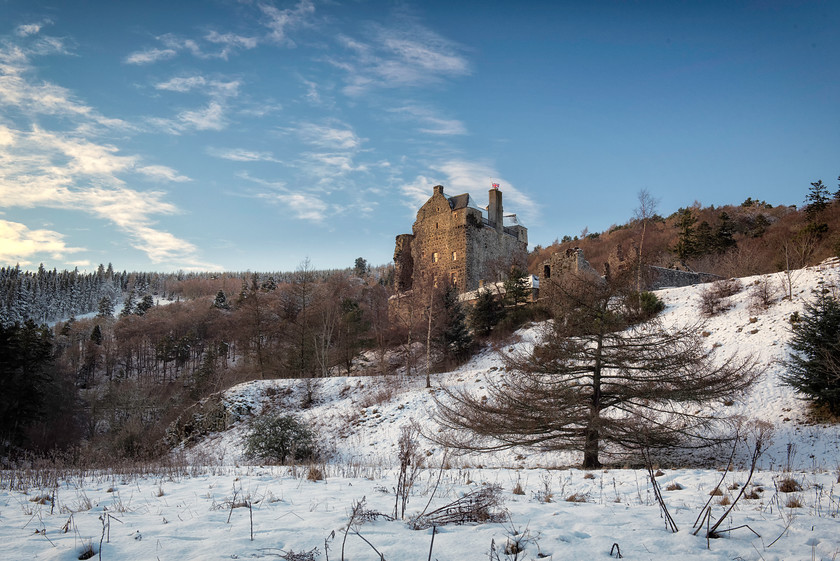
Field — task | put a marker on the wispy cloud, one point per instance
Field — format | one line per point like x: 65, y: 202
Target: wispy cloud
x: 473, y: 177
x: 410, y: 56
x: 242, y: 155
x: 302, y: 205
x: 213, y: 45
x: 212, y: 116
x: 148, y: 56
x: 416, y: 193
x: 431, y: 122
x: 28, y: 29
x: 231, y: 42
x: 213, y: 88
x: 339, y: 137
x: 18, y: 244
x: 74, y: 170
x: 163, y: 173
x: 279, y: 22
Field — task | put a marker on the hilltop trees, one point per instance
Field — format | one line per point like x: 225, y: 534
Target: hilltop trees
x: 593, y: 381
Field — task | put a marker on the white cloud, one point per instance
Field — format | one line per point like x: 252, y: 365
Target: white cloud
x: 242, y: 155
x: 410, y: 56
x: 334, y: 138
x: 214, y: 88
x: 303, y: 205
x: 280, y: 21
x: 417, y: 192
x: 7, y: 138
x: 433, y: 123
x: 210, y: 117
x: 231, y: 42
x: 18, y: 243
x: 28, y: 29
x: 149, y: 56
x: 476, y: 178
x: 164, y: 173
x: 182, y: 84
x: 73, y: 170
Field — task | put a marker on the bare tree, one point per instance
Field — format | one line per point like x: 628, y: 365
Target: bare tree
x: 643, y: 213
x: 593, y: 379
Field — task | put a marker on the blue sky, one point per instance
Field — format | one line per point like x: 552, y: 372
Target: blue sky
x: 250, y: 135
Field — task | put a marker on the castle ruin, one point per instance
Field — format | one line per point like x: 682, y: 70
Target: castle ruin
x: 453, y: 240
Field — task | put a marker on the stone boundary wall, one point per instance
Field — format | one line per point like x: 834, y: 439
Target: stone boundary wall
x: 660, y: 277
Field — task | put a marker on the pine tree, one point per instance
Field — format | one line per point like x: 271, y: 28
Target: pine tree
x: 687, y: 242
x: 144, y: 305
x: 96, y: 335
x: 106, y: 307
x: 128, y: 305
x: 486, y: 313
x: 724, y: 239
x: 516, y: 286
x: 221, y: 301
x: 816, y: 201
x: 814, y: 364
x: 456, y: 339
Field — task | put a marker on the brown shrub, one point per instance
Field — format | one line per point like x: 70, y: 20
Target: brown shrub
x: 789, y: 485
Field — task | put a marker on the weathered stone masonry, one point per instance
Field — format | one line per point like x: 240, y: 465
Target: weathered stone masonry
x: 453, y: 240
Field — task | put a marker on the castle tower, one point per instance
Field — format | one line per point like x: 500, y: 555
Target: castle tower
x: 495, y: 214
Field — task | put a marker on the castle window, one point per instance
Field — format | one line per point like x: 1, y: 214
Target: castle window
x: 453, y: 277
x: 435, y: 257
x: 547, y: 272
x: 454, y: 255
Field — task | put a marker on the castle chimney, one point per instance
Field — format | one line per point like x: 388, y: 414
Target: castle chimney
x: 494, y: 210
x: 438, y: 189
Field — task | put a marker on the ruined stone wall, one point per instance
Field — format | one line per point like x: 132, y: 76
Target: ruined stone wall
x: 403, y: 262
x: 660, y: 277
x: 491, y: 254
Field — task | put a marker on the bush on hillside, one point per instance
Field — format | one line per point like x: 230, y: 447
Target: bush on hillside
x: 279, y: 438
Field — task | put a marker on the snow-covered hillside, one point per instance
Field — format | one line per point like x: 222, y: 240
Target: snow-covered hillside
x: 359, y: 418
x: 223, y: 508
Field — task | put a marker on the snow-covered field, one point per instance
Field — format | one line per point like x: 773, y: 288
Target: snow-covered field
x: 179, y: 516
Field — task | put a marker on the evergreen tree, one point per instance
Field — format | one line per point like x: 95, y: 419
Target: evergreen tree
x: 144, y: 305
x: 687, y: 242
x: 816, y: 201
x: 221, y: 301
x: 96, y: 335
x: 724, y: 240
x: 360, y: 268
x: 486, y: 313
x: 455, y: 338
x: 704, y: 239
x: 128, y: 305
x: 106, y: 307
x: 32, y: 395
x: 516, y: 286
x: 814, y: 364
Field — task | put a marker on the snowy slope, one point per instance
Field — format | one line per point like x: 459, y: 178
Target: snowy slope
x: 202, y: 512
x: 359, y: 417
